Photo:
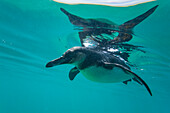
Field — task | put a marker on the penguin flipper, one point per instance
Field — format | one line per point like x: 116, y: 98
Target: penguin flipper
x: 132, y: 23
x: 129, y: 25
x: 73, y: 72
x: 75, y: 20
x: 135, y: 75
x: 130, y: 72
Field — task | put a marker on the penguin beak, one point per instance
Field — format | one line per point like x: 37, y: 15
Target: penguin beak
x: 58, y: 61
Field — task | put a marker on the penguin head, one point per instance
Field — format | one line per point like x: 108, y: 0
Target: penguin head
x: 74, y: 56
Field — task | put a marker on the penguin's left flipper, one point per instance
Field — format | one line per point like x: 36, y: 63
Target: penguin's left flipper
x: 73, y: 72
x: 132, y: 73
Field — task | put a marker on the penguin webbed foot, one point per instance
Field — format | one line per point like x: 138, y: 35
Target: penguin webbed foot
x: 126, y: 82
x: 137, y: 78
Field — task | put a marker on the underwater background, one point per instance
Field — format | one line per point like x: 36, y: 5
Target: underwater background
x: 34, y: 32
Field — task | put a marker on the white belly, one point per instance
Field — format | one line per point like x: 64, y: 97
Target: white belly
x: 99, y: 74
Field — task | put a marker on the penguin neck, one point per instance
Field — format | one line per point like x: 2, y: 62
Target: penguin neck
x: 87, y: 62
x: 79, y: 61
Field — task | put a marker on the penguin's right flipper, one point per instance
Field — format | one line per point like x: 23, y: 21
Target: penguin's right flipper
x: 132, y: 23
x: 142, y: 82
x: 129, y: 25
x: 135, y: 75
x: 73, y: 72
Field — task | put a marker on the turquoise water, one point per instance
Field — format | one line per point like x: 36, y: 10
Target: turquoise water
x: 35, y: 32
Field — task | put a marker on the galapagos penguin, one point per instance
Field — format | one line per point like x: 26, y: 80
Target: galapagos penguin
x: 97, y: 62
x: 98, y: 66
